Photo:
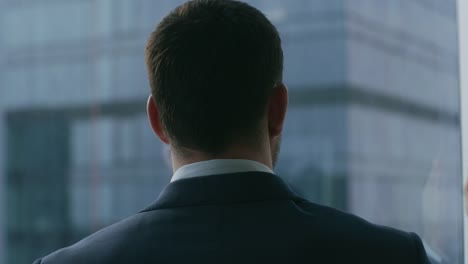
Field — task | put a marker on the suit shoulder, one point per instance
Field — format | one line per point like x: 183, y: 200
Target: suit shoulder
x: 102, y: 246
x: 355, y: 233
x: 339, y: 219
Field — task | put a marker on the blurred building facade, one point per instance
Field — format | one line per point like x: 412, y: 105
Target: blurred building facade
x: 373, y: 126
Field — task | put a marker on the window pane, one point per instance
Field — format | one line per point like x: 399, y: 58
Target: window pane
x: 373, y: 126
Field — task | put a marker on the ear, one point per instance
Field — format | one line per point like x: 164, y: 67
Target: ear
x: 277, y: 108
x: 155, y: 122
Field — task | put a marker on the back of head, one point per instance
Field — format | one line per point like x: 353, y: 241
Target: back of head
x: 212, y: 67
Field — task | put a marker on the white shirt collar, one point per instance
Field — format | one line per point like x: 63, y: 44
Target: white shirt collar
x: 218, y: 166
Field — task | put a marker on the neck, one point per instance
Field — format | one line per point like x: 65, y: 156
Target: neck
x: 262, y: 155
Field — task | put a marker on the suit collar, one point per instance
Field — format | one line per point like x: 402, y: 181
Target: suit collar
x: 223, y: 189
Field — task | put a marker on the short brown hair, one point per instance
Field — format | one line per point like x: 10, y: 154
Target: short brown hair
x: 212, y: 65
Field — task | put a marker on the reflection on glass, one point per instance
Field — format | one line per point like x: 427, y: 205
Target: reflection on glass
x: 373, y: 126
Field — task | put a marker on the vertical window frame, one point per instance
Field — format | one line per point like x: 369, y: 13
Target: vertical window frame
x: 462, y: 8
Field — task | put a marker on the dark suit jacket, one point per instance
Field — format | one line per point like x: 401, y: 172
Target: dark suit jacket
x: 250, y: 217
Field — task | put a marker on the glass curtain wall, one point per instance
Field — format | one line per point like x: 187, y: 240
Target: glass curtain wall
x: 373, y: 126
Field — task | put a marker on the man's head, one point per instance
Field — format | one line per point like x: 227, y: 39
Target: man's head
x: 215, y: 70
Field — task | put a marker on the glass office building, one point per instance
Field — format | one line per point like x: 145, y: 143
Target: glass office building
x: 373, y: 126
